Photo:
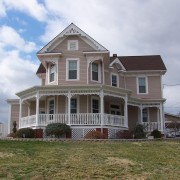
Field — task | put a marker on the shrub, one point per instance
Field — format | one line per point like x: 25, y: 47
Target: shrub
x: 95, y: 135
x: 14, y: 127
x: 125, y: 134
x: 57, y: 129
x: 156, y: 133
x: 25, y: 133
x: 139, y: 132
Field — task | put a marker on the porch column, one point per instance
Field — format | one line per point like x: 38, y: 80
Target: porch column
x: 69, y: 108
x: 125, y: 112
x: 161, y: 117
x: 37, y: 108
x: 102, y: 109
x: 20, y: 112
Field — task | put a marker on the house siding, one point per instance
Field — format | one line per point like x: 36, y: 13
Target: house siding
x: 14, y: 115
x: 132, y: 116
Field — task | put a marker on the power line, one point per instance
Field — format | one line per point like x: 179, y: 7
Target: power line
x: 171, y: 84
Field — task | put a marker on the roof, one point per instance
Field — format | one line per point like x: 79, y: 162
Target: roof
x: 134, y: 63
x: 41, y: 69
x: 72, y: 29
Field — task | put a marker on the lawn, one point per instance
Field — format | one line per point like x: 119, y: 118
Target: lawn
x: 89, y: 160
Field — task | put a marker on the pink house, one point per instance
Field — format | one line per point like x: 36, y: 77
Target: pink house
x: 86, y: 88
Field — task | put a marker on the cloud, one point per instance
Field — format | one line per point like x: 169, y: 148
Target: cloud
x: 33, y: 8
x: 10, y: 38
x: 14, y: 72
x: 2, y: 10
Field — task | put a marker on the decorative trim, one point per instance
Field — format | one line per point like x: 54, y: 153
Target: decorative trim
x: 118, y: 62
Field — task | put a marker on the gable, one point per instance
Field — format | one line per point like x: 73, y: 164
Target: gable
x: 72, y: 30
x: 82, y: 45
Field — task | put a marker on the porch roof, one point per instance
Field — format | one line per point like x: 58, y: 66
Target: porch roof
x: 78, y: 89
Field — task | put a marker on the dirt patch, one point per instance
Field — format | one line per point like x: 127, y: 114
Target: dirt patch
x: 120, y: 162
x: 5, y: 155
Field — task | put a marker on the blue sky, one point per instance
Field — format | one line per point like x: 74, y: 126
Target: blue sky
x: 132, y: 27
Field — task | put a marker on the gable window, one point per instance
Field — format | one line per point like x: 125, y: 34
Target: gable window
x: 114, y: 80
x: 95, y: 105
x: 145, y: 115
x: 73, y: 105
x: 52, y: 69
x: 95, y: 74
x: 142, y: 85
x: 72, y: 69
x: 72, y: 45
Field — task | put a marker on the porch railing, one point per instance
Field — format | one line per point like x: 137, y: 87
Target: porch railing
x: 82, y: 119
x: 150, y: 126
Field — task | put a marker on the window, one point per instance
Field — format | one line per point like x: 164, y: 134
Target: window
x: 72, y: 45
x: 145, y: 115
x: 51, y: 108
x: 142, y: 85
x: 52, y: 73
x: 114, y: 80
x: 95, y: 72
x: 95, y: 106
x: 72, y: 69
x: 73, y: 105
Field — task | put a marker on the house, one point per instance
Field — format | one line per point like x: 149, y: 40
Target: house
x: 86, y: 88
x: 2, y: 130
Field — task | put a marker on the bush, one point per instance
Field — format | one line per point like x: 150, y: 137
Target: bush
x: 25, y: 133
x: 139, y: 132
x: 125, y: 134
x: 57, y: 129
x: 156, y: 133
x: 14, y: 127
x: 95, y: 135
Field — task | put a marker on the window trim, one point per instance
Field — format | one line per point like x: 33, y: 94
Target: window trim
x: 99, y: 72
x: 55, y: 73
x: 95, y: 98
x: 67, y: 69
x: 77, y: 100
x: 146, y: 84
x: 147, y: 115
x: 117, y: 76
x: 48, y: 101
x: 72, y: 41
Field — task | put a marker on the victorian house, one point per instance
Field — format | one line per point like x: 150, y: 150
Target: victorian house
x: 86, y: 88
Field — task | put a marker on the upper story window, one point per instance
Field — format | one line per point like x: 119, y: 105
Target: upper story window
x: 114, y: 80
x: 72, y: 45
x: 72, y: 69
x: 142, y: 85
x: 52, y: 71
x: 95, y: 72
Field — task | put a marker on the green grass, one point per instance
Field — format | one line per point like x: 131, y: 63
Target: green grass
x: 86, y: 160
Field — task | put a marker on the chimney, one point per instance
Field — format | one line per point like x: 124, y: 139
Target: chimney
x: 114, y: 55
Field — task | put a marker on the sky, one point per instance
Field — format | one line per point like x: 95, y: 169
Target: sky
x: 133, y: 27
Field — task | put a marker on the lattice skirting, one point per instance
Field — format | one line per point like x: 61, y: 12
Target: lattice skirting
x: 78, y: 133
x: 112, y: 133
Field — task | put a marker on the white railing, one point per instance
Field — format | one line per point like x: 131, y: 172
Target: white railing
x: 114, y: 120
x: 81, y: 119
x: 28, y: 121
x: 150, y: 126
x: 85, y: 119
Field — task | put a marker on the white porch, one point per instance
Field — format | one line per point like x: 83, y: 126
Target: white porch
x: 81, y: 119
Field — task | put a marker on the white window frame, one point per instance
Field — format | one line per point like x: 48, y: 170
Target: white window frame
x: 147, y: 114
x: 117, y: 76
x: 95, y: 98
x: 69, y: 45
x: 48, y: 101
x: 146, y: 84
x: 99, y: 72
x: 67, y: 69
x: 55, y: 73
x: 77, y: 99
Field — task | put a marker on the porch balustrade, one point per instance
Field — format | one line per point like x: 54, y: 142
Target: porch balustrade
x: 150, y: 126
x: 81, y: 119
